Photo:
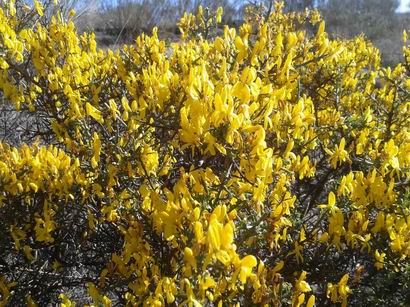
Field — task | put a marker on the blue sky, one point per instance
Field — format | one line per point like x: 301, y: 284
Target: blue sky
x: 404, y: 6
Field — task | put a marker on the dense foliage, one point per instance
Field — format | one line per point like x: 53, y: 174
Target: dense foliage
x: 267, y: 165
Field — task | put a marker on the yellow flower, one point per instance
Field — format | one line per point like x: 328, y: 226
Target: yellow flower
x: 246, y: 265
x: 94, y: 113
x: 331, y: 202
x: 379, y: 259
x: 39, y: 7
x: 219, y: 13
x: 66, y: 301
x: 339, y: 154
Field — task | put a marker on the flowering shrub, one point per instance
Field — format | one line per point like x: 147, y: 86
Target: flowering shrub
x: 267, y: 165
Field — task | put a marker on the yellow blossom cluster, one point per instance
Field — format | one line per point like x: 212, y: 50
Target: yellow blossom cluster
x: 219, y: 170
